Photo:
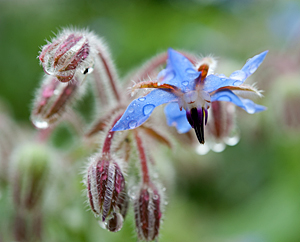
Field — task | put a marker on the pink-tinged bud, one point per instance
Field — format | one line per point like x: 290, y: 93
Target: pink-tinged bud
x: 147, y: 210
x: 53, y: 100
x: 67, y: 55
x: 107, y: 192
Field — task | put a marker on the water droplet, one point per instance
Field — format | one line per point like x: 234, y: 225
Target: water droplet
x: 148, y: 109
x: 238, y: 75
x: 185, y: 83
x: 127, y: 118
x: 218, y: 147
x: 155, y: 197
x: 115, y: 223
x: 169, y: 76
x: 130, y: 109
x: 141, y: 99
x: 202, y: 149
x: 192, y: 73
x: 132, y: 124
x: 223, y: 79
x: 39, y: 123
x: 233, y: 139
x: 252, y: 69
x: 102, y: 224
x: 237, y: 83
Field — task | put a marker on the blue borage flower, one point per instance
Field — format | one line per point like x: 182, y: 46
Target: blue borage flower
x: 184, y: 86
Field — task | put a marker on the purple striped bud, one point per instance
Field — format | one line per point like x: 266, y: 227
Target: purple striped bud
x: 52, y: 101
x: 107, y: 192
x: 67, y: 55
x: 147, y: 209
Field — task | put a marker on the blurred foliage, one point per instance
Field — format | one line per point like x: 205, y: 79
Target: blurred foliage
x: 249, y: 192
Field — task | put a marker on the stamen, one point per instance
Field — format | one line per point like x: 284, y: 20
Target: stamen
x: 197, y: 119
x: 204, y: 70
x: 151, y: 84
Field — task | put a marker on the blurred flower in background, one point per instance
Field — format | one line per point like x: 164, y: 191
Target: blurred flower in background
x: 249, y: 192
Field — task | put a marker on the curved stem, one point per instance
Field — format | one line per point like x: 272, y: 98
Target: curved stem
x: 143, y: 158
x: 109, y: 137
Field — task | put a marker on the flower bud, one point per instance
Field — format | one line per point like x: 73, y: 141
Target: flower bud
x: 52, y: 101
x: 67, y: 55
x: 29, y: 173
x: 147, y: 209
x: 107, y: 192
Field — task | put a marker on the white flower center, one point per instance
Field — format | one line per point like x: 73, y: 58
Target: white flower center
x: 194, y: 99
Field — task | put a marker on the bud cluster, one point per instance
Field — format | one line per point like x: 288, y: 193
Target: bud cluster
x: 67, y: 60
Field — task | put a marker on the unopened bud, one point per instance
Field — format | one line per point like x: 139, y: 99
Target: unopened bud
x: 29, y: 173
x: 107, y: 192
x: 68, y: 54
x: 52, y: 101
x: 147, y: 209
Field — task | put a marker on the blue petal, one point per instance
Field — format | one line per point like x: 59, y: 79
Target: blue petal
x: 253, y: 63
x: 140, y: 109
x: 179, y: 72
x: 246, y: 104
x: 213, y: 82
x: 177, y: 118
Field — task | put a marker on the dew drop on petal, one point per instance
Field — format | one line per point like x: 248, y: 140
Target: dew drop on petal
x: 141, y: 99
x: 237, y: 83
x: 252, y: 69
x: 192, y: 73
x: 130, y: 109
x: 148, y: 109
x: 238, y: 75
x: 132, y: 124
x: 155, y: 197
x: 169, y: 76
x: 40, y: 123
x: 185, y: 83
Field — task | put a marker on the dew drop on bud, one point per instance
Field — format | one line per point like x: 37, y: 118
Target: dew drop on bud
x: 115, y: 223
x: 218, y: 147
x: 202, y: 149
x: 232, y: 139
x: 39, y: 123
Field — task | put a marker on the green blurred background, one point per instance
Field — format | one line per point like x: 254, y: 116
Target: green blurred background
x: 249, y: 192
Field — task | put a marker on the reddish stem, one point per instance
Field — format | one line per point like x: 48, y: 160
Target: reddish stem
x: 109, y: 137
x: 108, y: 67
x: 143, y: 159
